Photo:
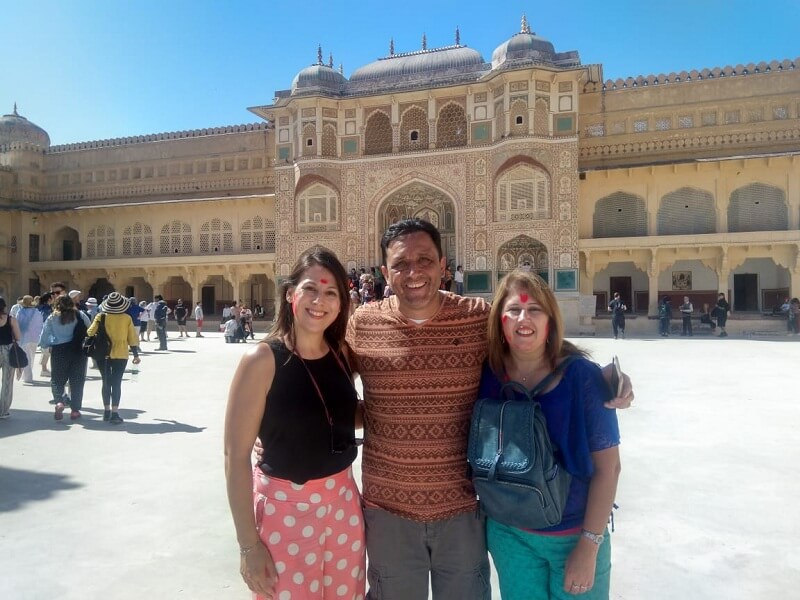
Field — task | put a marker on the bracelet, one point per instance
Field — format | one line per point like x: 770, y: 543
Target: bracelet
x: 245, y: 550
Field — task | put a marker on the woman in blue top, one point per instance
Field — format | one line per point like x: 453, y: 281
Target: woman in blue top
x: 526, y: 342
x: 69, y: 362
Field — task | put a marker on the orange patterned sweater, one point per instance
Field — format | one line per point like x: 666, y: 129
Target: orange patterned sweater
x: 420, y: 384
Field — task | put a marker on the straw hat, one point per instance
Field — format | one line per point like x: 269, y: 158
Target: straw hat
x: 116, y: 303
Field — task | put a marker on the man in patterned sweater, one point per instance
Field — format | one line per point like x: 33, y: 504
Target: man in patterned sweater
x: 419, y: 354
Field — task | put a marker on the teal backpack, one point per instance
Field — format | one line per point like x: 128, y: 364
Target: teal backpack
x: 514, y: 467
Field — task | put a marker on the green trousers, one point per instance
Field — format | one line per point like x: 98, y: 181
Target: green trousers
x: 531, y: 566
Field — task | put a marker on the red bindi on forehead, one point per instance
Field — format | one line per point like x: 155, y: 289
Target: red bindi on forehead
x: 323, y: 281
x: 523, y: 297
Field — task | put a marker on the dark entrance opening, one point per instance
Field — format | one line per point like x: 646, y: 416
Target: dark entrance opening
x: 207, y: 299
x: 623, y: 286
x: 745, y: 292
x: 70, y: 249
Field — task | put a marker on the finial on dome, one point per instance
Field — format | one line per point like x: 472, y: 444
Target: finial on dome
x: 424, y: 42
x: 319, y: 54
x: 341, y: 69
x: 16, y: 114
x: 330, y: 60
x: 391, y: 46
x: 458, y: 37
x: 524, y: 27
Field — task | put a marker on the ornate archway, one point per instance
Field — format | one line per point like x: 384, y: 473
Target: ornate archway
x: 425, y: 202
x: 523, y: 252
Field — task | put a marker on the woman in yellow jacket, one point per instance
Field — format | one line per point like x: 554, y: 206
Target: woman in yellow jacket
x: 122, y: 333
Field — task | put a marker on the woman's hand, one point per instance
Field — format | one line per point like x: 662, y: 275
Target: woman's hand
x: 625, y: 399
x: 258, y: 571
x: 579, y: 572
x: 136, y: 360
x: 258, y: 450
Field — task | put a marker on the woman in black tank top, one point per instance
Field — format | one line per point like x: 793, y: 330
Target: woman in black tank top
x: 295, y: 393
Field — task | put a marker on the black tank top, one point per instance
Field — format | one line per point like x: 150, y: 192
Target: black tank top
x: 6, y: 333
x: 295, y: 431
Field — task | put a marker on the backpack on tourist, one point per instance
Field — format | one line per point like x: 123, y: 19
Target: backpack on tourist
x: 514, y: 466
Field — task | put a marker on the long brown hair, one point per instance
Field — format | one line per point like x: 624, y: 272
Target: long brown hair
x: 322, y: 257
x: 66, y: 310
x: 530, y: 283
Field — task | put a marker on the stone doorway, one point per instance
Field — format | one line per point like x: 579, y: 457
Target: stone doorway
x: 424, y: 202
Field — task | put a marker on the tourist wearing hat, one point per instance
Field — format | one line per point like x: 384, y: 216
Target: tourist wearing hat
x: 68, y: 363
x: 92, y: 307
x: 120, y: 330
x: 30, y: 324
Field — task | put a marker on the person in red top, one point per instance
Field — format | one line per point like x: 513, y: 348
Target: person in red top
x: 419, y: 354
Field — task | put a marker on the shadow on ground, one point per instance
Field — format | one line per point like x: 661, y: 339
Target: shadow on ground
x: 25, y: 421
x: 18, y: 487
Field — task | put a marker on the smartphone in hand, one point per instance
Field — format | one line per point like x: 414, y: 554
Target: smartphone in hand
x: 616, y: 378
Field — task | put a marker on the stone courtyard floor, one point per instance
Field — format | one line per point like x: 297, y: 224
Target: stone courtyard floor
x: 708, y: 494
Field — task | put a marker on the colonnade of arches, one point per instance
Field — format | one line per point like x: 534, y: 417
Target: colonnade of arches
x: 174, y: 238
x: 691, y: 210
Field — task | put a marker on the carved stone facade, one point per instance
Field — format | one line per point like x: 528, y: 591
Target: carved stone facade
x: 529, y: 161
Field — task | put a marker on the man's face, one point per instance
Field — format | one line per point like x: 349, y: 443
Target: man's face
x: 414, y: 271
x: 58, y: 290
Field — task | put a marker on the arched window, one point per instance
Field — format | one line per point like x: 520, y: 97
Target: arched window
x: 620, y: 215
x: 329, y: 139
x: 216, y: 236
x: 758, y: 207
x: 523, y: 192
x: 258, y: 235
x: 137, y: 240
x: 686, y: 211
x: 309, y: 141
x: 451, y: 126
x: 519, y: 117
x: 378, y: 134
x: 317, y: 209
x: 100, y: 242
x: 414, y: 129
x: 176, y: 238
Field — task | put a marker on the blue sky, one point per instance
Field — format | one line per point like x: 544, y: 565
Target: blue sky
x: 95, y: 69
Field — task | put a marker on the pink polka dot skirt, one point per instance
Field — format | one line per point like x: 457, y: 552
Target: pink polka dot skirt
x: 315, y: 534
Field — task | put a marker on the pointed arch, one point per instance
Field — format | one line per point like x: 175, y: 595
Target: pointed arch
x: 137, y: 240
x: 378, y: 133
x: 758, y: 207
x: 619, y: 215
x: 414, y: 120
x: 451, y: 126
x: 522, y: 191
x: 176, y: 238
x: 523, y: 252
x: 687, y: 211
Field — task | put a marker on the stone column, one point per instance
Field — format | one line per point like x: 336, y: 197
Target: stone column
x: 233, y: 277
x: 652, y: 285
x: 723, y: 274
x: 587, y: 280
x: 157, y: 280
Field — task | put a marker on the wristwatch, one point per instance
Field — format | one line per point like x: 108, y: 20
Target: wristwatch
x: 597, y: 538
